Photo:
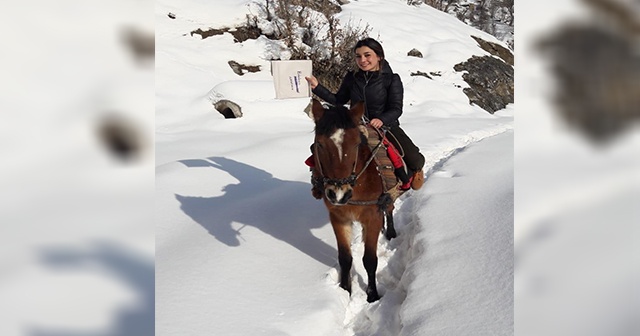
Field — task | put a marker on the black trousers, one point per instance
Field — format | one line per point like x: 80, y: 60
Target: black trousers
x: 412, y: 156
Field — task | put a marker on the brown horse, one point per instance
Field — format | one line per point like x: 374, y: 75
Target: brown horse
x: 353, y: 188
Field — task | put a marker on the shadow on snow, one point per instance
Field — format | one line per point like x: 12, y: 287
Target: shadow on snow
x: 282, y: 209
x: 112, y: 261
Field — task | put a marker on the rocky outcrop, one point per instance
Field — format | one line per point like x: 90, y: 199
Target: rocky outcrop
x: 597, y: 72
x: 120, y: 136
x: 240, y: 34
x: 228, y: 109
x: 141, y: 43
x: 495, y: 50
x: 240, y: 69
x: 420, y: 73
x: 415, y: 53
x: 490, y: 82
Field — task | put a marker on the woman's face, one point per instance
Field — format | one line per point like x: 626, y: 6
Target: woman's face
x: 367, y: 59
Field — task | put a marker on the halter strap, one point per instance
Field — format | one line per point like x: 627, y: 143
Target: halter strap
x: 351, y: 180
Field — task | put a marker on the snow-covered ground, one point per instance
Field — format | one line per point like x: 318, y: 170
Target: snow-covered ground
x: 576, y: 204
x: 241, y: 246
x: 77, y: 237
x: 450, y: 271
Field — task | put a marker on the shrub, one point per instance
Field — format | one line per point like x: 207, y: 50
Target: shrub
x: 310, y: 30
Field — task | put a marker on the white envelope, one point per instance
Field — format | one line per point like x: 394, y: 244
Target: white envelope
x: 288, y: 78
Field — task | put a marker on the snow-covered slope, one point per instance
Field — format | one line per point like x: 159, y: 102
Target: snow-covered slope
x: 576, y: 205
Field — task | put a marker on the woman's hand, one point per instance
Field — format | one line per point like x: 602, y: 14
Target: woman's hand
x: 377, y: 123
x: 313, y: 81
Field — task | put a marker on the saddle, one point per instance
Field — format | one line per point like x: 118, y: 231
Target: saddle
x: 385, y: 164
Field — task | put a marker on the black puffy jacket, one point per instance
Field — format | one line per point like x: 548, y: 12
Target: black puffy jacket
x: 381, y: 91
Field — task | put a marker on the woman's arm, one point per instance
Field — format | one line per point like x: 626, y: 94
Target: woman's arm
x: 340, y: 98
x: 393, y: 107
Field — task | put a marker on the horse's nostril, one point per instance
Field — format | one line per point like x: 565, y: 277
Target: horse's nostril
x: 347, y: 196
x: 331, y: 195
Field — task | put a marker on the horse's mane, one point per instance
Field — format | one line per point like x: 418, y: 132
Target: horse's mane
x: 336, y: 117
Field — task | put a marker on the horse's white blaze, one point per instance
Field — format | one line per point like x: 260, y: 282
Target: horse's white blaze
x: 337, y: 138
x: 339, y: 194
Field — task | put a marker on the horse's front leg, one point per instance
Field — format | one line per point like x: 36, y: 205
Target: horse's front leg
x: 342, y: 229
x: 370, y: 259
x: 390, y: 231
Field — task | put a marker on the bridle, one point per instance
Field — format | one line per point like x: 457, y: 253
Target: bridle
x: 321, y: 181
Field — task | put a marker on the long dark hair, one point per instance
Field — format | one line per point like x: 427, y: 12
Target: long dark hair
x: 371, y: 43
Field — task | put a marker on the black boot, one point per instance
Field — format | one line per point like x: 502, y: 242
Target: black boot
x: 404, y: 178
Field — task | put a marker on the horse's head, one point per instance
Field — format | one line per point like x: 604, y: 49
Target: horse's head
x: 337, y: 148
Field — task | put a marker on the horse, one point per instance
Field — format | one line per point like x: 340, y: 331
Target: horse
x: 353, y: 188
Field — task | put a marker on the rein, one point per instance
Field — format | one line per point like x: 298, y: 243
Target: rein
x: 351, y: 179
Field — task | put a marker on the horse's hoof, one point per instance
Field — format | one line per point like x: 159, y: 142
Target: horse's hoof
x: 373, y: 297
x: 347, y: 288
x: 390, y: 234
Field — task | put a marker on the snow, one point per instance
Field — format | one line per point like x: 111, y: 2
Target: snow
x: 241, y: 246
x: 457, y: 260
x: 77, y: 240
x: 576, y: 214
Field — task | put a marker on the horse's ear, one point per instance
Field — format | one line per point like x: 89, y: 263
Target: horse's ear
x: 357, y: 111
x: 317, y: 110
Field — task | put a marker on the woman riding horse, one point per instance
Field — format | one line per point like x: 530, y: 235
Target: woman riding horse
x: 382, y: 92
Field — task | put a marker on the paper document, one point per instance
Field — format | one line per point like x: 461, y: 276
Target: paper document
x: 288, y: 78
